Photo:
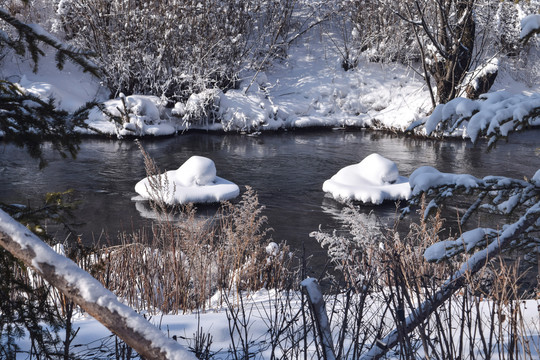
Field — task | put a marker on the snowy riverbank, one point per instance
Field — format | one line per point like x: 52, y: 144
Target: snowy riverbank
x: 307, y: 89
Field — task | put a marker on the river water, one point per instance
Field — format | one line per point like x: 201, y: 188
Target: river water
x: 286, y: 169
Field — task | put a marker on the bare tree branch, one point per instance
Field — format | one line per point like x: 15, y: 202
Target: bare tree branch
x: 456, y: 281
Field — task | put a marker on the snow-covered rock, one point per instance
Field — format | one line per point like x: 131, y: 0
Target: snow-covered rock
x: 536, y: 177
x: 373, y: 180
x: 193, y: 182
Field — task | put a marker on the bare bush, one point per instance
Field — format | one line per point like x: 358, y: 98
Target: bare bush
x: 388, y: 279
x: 186, y: 259
x: 373, y: 30
x: 175, y: 48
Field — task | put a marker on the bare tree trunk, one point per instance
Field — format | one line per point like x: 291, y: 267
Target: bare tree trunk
x: 458, y: 44
x: 88, y: 293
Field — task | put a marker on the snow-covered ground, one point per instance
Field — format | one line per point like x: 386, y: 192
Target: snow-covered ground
x: 309, y: 88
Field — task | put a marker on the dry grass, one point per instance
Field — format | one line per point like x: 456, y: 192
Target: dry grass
x: 388, y: 280
x: 184, y: 259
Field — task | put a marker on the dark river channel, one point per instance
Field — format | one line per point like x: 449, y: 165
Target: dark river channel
x: 287, y: 169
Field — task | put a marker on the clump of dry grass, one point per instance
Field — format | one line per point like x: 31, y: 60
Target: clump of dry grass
x: 386, y: 279
x: 184, y: 259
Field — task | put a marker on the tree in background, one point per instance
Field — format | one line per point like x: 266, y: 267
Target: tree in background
x: 457, y: 42
x: 449, y: 49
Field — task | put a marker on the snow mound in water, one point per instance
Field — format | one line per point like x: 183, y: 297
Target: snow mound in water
x: 373, y: 180
x: 197, y: 170
x: 193, y: 182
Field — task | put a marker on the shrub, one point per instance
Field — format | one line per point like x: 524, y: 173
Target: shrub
x: 186, y: 259
x: 174, y: 48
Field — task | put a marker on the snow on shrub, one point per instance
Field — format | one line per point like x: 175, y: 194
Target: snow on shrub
x: 134, y: 115
x: 174, y: 48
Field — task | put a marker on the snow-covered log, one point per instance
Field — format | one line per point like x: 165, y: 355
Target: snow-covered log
x: 457, y: 280
x: 88, y: 293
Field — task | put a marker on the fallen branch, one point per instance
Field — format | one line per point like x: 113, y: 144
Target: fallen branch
x: 88, y: 293
x: 318, y: 307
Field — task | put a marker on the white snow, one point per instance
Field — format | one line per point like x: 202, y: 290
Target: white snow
x: 529, y: 24
x: 427, y: 177
x: 497, y: 111
x: 141, y: 115
x: 272, y: 248
x: 469, y: 241
x: 193, y: 182
x: 490, y: 67
x: 88, y: 287
x: 308, y: 88
x: 373, y: 180
x: 536, y: 178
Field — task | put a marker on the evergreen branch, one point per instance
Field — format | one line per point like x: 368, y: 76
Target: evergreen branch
x: 28, y: 121
x: 33, y: 33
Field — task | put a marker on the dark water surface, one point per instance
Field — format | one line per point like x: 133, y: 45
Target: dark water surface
x: 287, y: 170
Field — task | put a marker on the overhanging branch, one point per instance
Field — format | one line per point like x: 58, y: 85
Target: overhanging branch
x: 88, y: 293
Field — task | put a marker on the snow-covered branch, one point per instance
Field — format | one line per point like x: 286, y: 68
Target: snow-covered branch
x: 88, y: 293
x: 28, y: 121
x: 457, y: 280
x: 530, y: 25
x: 34, y: 32
x: 505, y: 194
x: 494, y: 115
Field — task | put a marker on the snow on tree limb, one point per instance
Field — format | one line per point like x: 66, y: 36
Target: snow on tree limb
x: 494, y: 115
x: 505, y: 195
x: 457, y: 280
x: 88, y: 293
x: 530, y: 25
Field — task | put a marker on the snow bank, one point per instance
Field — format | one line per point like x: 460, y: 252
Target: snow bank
x: 136, y: 115
x: 373, y: 180
x: 309, y: 88
x: 248, y: 111
x: 193, y: 182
